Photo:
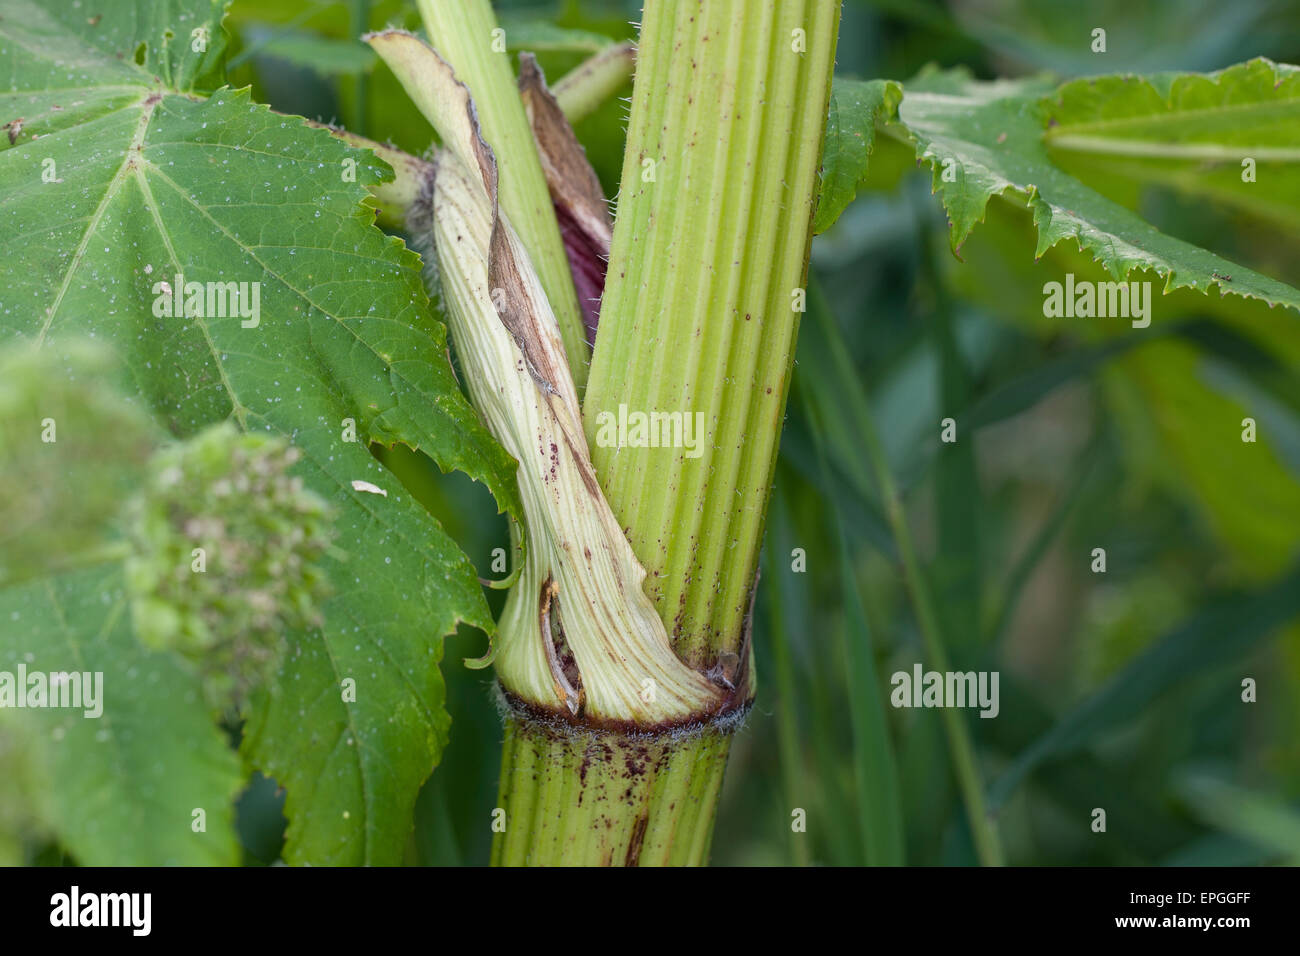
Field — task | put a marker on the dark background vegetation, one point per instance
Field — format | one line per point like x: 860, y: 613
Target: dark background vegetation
x: 1073, y: 435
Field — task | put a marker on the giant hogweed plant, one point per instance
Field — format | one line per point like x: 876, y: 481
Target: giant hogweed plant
x: 190, y: 504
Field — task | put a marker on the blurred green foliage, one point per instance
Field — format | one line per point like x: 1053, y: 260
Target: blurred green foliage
x: 1120, y: 690
x: 73, y: 483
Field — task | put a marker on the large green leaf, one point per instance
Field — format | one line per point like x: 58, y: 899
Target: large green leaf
x: 120, y: 789
x: 1190, y: 131
x: 990, y: 139
x: 150, y: 179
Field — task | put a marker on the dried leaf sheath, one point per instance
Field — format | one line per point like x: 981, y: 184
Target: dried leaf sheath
x: 580, y: 206
x: 516, y: 372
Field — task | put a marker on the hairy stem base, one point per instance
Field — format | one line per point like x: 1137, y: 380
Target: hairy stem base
x: 583, y: 798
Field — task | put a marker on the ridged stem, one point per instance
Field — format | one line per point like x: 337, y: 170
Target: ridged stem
x: 700, y: 314
x: 580, y: 798
x: 702, y: 299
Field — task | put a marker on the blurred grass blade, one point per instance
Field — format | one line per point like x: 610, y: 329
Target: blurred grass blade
x: 956, y: 564
x: 875, y: 768
x: 327, y: 56
x: 811, y: 674
x: 1149, y: 828
x: 857, y: 508
x: 542, y: 36
x: 1025, y: 391
x: 834, y: 395
x: 1219, y: 634
x: 1256, y: 817
x: 778, y: 599
x: 1032, y: 556
x: 833, y: 386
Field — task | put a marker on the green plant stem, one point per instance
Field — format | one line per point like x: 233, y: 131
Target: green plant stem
x: 359, y: 23
x: 708, y: 252
x: 580, y: 91
x: 984, y: 832
x: 875, y: 768
x: 580, y: 798
x: 787, y: 716
x: 700, y: 315
x: 1031, y: 558
x: 462, y: 31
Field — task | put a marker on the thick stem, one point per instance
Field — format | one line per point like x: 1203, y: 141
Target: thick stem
x: 574, y: 797
x: 617, y: 749
x: 704, y: 293
x: 700, y: 313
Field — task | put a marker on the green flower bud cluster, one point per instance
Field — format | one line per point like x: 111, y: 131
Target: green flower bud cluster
x: 227, y: 545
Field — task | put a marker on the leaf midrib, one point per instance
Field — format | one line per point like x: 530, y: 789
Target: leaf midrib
x: 238, y: 408
x: 1171, y: 116
x: 1174, y: 152
x: 148, y: 104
